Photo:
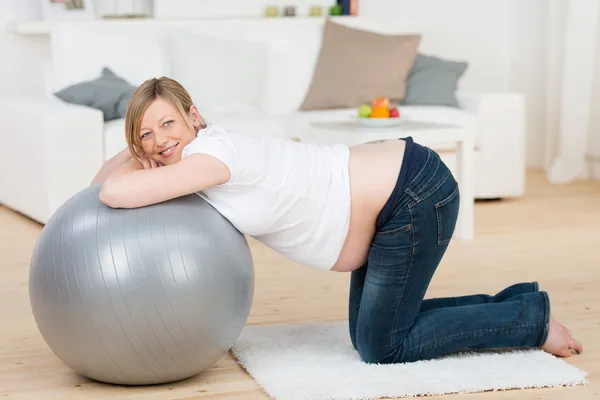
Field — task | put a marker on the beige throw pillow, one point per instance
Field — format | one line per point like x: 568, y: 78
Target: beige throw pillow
x: 355, y: 66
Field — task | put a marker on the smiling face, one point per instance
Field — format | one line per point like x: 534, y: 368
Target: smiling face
x: 161, y: 120
x: 164, y: 132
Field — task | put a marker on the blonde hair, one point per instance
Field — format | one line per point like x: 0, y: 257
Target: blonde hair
x: 165, y: 88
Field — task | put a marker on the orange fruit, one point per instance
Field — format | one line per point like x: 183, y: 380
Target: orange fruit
x: 380, y: 112
x: 380, y: 102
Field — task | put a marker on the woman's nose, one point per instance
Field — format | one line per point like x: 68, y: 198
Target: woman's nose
x: 161, y: 139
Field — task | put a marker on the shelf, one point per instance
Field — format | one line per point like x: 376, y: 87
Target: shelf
x: 33, y: 28
x: 30, y: 27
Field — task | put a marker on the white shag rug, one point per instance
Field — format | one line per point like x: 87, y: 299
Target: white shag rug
x: 317, y: 361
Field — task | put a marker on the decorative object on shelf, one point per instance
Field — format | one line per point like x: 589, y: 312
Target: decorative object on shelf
x: 73, y: 4
x: 111, y: 9
x: 68, y: 10
x: 354, y: 7
x: 336, y: 10
x: 271, y: 11
x: 348, y: 7
x: 289, y: 11
x: 316, y: 11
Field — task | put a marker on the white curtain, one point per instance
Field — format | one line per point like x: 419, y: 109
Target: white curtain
x: 573, y: 102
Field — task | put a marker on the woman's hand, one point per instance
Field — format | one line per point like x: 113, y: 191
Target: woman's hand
x: 148, y: 163
x: 120, y: 159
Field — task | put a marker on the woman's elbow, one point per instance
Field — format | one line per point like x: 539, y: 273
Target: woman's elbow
x: 109, y: 196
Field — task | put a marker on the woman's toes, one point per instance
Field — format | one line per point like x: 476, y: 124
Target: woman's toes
x: 575, y: 345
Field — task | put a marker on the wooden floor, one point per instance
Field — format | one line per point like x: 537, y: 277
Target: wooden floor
x: 552, y: 235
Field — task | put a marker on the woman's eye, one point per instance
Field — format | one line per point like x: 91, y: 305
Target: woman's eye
x: 145, y: 135
x: 167, y: 123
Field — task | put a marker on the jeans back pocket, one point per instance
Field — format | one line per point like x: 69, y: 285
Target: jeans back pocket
x: 397, y: 233
x: 447, y: 214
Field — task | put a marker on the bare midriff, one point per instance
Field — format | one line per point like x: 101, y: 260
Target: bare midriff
x: 373, y: 170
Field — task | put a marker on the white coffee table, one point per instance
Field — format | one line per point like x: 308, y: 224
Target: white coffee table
x: 351, y: 132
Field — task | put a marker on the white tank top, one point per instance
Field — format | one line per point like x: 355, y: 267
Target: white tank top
x: 292, y: 196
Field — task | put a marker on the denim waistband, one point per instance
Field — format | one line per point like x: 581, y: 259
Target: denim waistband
x: 415, y: 157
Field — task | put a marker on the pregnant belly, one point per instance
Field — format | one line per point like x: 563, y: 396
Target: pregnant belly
x: 374, y: 172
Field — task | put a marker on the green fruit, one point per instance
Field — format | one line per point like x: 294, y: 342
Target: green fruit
x: 364, y: 111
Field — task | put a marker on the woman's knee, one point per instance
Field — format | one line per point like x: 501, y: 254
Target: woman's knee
x: 368, y: 353
x: 377, y: 351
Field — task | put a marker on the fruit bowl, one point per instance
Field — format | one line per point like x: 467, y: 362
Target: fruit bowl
x: 379, y: 113
x: 379, y: 122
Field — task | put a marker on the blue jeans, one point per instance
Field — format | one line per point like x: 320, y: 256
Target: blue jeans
x: 389, y: 320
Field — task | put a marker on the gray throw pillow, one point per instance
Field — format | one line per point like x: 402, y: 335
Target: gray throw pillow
x: 108, y: 93
x: 433, y: 81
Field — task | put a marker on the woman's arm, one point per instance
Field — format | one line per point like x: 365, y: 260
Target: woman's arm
x: 118, y: 160
x: 134, y: 186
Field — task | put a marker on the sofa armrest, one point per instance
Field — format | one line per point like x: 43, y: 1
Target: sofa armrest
x: 53, y: 150
x: 501, y: 139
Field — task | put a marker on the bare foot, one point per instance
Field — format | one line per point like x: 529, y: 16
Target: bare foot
x: 560, y: 342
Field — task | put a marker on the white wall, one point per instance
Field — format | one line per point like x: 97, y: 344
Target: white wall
x: 23, y: 57
x: 594, y: 139
x: 530, y: 71
x: 22, y: 61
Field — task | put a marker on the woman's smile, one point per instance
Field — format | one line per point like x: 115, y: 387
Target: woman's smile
x: 169, y: 151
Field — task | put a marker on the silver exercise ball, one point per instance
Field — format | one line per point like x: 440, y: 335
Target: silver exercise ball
x: 140, y: 296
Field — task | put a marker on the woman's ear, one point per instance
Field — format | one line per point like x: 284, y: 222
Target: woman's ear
x: 195, y: 116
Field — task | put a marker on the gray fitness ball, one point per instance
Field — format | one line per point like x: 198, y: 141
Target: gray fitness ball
x: 140, y: 296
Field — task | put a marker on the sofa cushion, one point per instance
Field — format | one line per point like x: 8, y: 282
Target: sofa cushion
x: 433, y: 81
x: 108, y: 93
x: 223, y: 75
x: 438, y: 114
x: 259, y: 124
x: 355, y: 66
x: 292, y: 55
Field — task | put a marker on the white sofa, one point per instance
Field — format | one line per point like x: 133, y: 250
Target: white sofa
x: 55, y: 148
